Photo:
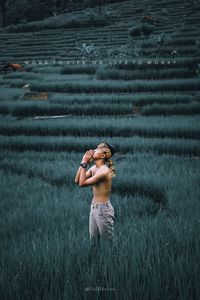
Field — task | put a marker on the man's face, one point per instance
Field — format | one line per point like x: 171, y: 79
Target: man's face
x: 98, y: 153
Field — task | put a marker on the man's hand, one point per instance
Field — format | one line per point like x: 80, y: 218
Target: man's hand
x: 87, y: 156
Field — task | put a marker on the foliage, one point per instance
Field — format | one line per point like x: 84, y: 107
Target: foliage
x: 140, y: 29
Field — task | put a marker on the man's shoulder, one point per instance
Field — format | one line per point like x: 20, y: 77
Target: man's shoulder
x: 104, y: 169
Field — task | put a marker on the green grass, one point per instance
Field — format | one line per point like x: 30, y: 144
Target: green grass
x: 47, y: 69
x: 175, y: 109
x: 146, y: 74
x: 123, y: 144
x: 9, y: 94
x: 112, y: 87
x: 136, y: 99
x: 44, y: 214
x: 152, y: 189
x: 16, y: 83
x: 73, y: 23
x: 29, y: 108
x: 52, y: 229
x: 34, y: 53
x: 22, y: 75
x: 79, y: 69
x: 173, y: 127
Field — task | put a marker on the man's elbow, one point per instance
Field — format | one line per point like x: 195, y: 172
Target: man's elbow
x: 83, y: 183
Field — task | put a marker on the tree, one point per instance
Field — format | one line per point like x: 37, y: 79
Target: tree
x: 5, y: 6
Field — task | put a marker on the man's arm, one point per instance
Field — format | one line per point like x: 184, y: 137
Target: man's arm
x: 83, y: 181
x: 88, y: 174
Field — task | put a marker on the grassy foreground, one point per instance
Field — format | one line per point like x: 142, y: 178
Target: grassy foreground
x: 44, y: 230
x: 148, y: 110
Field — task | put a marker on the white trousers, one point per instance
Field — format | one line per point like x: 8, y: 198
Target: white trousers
x: 101, y: 222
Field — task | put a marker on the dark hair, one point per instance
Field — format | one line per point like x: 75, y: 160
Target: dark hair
x: 112, y: 150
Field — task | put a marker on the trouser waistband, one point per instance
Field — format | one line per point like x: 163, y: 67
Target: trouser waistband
x: 100, y: 204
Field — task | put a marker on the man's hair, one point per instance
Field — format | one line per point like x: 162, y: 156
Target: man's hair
x: 109, y: 152
x: 112, y: 150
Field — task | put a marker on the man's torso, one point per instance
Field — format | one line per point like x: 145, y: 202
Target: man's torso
x: 101, y: 190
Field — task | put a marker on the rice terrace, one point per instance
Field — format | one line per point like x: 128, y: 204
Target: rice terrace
x: 129, y: 76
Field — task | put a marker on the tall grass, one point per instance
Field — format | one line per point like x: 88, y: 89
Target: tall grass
x: 16, y: 83
x: 124, y: 144
x: 79, y: 69
x: 152, y: 189
x: 73, y: 23
x: 46, y: 109
x: 113, y: 87
x: 146, y: 74
x: 9, y: 94
x: 34, y: 53
x: 23, y: 75
x: 137, y: 99
x: 41, y: 222
x: 175, y: 109
x: 44, y: 215
x: 168, y: 51
x: 173, y: 127
x: 47, y: 69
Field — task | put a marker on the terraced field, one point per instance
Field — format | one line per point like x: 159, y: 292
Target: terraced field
x: 78, y: 87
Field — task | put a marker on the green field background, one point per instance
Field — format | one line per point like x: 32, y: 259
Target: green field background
x: 50, y: 115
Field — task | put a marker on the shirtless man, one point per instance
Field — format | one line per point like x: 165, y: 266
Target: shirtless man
x: 101, y: 220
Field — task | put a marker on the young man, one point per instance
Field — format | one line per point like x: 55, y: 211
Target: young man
x: 101, y: 220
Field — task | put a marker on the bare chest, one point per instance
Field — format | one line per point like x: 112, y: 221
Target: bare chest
x: 106, y: 182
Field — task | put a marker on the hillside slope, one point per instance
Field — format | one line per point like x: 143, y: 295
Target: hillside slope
x: 176, y: 24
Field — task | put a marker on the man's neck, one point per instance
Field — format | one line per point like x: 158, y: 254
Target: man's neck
x: 99, y: 163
